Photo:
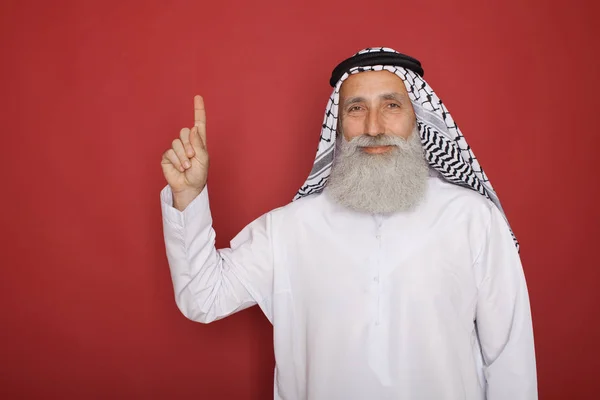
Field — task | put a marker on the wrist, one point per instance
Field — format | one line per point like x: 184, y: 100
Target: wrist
x: 182, y: 198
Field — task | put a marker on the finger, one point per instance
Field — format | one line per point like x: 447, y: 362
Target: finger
x: 170, y: 157
x: 177, y: 146
x: 184, y: 135
x: 200, y: 117
x: 196, y: 141
x: 199, y: 112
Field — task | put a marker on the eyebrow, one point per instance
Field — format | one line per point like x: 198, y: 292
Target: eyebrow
x: 353, y: 100
x: 385, y: 96
x: 393, y: 96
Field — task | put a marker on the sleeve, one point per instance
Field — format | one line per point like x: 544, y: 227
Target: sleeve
x: 210, y: 284
x: 503, y: 317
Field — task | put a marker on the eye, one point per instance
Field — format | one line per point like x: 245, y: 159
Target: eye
x: 394, y: 105
x: 354, y: 108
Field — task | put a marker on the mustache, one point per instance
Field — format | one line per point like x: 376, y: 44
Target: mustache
x: 381, y: 139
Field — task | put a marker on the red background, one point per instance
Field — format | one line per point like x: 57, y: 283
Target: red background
x: 94, y: 92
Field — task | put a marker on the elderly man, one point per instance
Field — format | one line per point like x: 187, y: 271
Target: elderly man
x: 392, y: 275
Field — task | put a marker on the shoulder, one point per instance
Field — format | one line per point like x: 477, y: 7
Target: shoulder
x: 279, y: 220
x: 452, y: 197
x: 302, y: 207
x: 305, y: 213
x: 463, y: 210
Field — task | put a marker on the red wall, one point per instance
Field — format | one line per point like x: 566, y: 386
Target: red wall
x: 93, y: 93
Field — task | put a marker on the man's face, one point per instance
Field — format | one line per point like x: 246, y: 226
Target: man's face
x: 375, y: 102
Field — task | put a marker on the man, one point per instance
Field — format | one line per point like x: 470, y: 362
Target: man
x: 393, y: 274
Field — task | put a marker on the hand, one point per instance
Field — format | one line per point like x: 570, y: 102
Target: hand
x: 185, y: 164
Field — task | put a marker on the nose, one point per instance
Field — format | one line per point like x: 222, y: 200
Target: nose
x: 373, y: 123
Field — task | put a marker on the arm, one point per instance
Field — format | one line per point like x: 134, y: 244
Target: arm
x: 211, y: 284
x: 504, y: 318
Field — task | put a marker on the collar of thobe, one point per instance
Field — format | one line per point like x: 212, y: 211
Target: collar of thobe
x: 445, y: 147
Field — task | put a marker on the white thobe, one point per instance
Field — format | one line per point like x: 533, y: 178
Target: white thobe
x: 428, y: 304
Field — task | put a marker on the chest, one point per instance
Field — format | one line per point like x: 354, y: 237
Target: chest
x: 376, y: 270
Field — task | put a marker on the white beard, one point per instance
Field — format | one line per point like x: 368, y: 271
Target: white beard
x: 378, y: 183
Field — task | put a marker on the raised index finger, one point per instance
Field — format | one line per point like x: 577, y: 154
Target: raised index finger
x: 200, y: 118
x: 199, y: 112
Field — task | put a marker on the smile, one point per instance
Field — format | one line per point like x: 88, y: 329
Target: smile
x: 377, y: 149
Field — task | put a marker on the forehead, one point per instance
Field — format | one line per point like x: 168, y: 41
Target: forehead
x: 372, y: 83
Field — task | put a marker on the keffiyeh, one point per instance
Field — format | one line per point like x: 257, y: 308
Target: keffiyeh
x: 445, y: 148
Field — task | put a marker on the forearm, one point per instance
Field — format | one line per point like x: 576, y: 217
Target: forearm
x: 205, y: 285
